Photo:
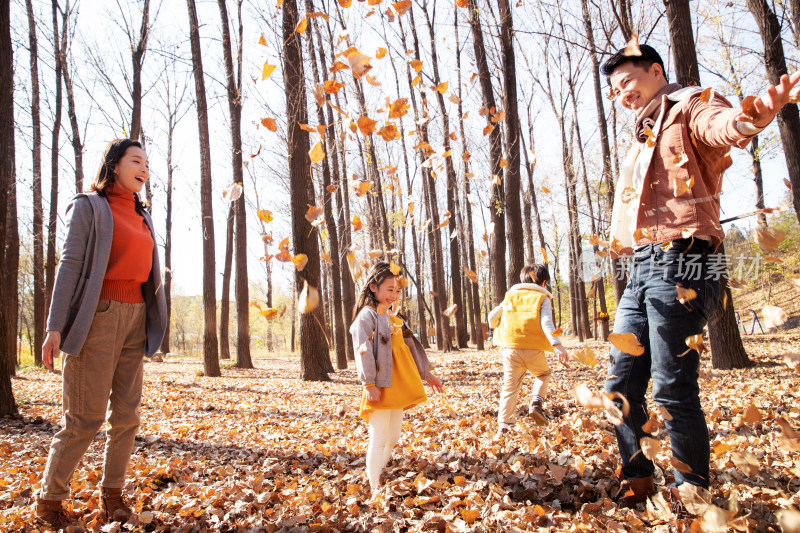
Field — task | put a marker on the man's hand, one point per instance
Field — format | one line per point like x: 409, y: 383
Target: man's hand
x: 50, y: 348
x: 373, y: 394
x: 435, y: 384
x: 762, y: 110
x: 563, y: 355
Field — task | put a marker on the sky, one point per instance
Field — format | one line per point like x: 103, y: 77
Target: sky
x: 100, y: 46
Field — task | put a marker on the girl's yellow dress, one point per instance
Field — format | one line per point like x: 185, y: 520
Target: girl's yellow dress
x: 407, y: 389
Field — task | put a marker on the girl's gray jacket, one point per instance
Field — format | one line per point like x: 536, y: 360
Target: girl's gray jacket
x: 372, y: 341
x: 90, y: 228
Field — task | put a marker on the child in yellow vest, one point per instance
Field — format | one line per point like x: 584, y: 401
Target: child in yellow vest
x: 392, y: 365
x: 523, y: 328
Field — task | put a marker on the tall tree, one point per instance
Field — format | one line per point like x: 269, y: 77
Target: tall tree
x: 38, y: 211
x: 7, y: 404
x: 497, y: 208
x: 234, y: 87
x: 788, y: 117
x: 727, y: 350
x: 138, y: 50
x: 75, y: 138
x: 210, y: 348
x: 313, y: 344
x: 437, y: 267
x: 225, y: 302
x: 468, y: 238
x: 456, y: 273
x: 512, y: 181
x: 617, y: 267
x: 327, y: 196
x: 681, y: 40
x: 50, y: 269
x: 173, y: 96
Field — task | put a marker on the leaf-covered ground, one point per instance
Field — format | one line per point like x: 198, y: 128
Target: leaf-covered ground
x: 260, y: 450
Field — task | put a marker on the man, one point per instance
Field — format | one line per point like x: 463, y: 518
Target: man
x: 666, y: 214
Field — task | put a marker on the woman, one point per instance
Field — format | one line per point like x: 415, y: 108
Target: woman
x: 107, y: 313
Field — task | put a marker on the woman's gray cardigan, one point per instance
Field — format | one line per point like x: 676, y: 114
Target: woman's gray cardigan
x: 372, y: 341
x: 76, y: 293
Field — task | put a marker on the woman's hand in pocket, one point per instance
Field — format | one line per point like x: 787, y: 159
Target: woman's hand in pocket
x: 52, y: 342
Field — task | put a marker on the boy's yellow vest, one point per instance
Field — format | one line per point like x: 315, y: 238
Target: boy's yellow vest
x: 520, y: 325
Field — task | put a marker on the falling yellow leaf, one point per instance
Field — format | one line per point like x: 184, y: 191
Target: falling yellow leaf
x: 499, y: 116
x: 707, y: 95
x: 503, y: 162
x: 302, y: 25
x: 270, y: 124
x: 685, y: 295
x: 416, y: 64
x: 356, y: 223
x: 366, y: 125
x: 768, y: 238
x: 487, y: 130
x: 626, y: 343
x: 267, y: 70
x: 398, y: 108
x: 544, y: 189
x: 442, y: 87
x: 632, y: 47
x: 394, y: 268
x: 355, y: 268
x: 269, y: 313
x: 264, y: 215
x: 389, y: 132
x: 380, y: 53
x: 332, y: 86
x: 650, y: 447
x: 309, y: 298
x: 471, y: 274
x: 262, y: 40
x: 362, y: 187
x: 326, y: 257
x: 316, y: 154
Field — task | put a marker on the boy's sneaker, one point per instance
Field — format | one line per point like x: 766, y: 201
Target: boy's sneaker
x: 502, y: 431
x: 537, y: 413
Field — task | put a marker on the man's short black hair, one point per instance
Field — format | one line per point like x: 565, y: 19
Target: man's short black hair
x: 646, y: 60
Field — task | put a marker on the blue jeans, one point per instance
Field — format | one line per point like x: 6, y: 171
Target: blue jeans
x: 650, y: 310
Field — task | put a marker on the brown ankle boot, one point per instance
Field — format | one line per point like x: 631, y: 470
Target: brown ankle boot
x: 51, y: 513
x: 635, y: 490
x: 114, y: 506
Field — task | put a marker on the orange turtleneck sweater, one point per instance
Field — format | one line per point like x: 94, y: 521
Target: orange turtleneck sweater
x: 131, y: 257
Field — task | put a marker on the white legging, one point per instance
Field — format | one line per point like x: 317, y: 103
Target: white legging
x: 384, y: 432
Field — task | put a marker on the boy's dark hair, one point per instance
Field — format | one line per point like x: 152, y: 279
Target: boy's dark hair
x: 646, y: 60
x: 534, y: 274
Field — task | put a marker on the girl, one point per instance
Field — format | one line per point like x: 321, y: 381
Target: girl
x: 107, y: 313
x: 391, y: 366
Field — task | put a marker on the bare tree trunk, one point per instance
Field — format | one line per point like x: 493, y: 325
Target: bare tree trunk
x: 456, y: 274
x: 313, y: 344
x: 617, y: 269
x: 795, y: 14
x: 210, y: 348
x: 498, y: 241
x: 337, y: 311
x: 758, y: 179
x: 225, y: 303
x: 723, y: 331
x: 788, y: 117
x: 77, y: 146
x: 137, y: 59
x: 168, y: 238
x: 727, y: 350
x: 512, y: 182
x: 10, y: 274
x: 443, y: 337
x: 53, y: 218
x: 7, y: 404
x: 530, y: 166
x: 469, y: 237
x: 681, y: 40
x: 335, y: 143
x: 38, y: 211
x: 234, y: 88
